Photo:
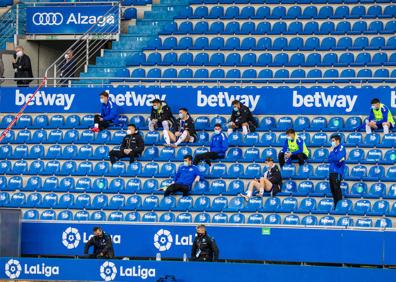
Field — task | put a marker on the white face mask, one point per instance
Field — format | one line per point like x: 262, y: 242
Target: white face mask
x: 217, y: 131
x: 102, y: 100
x: 181, y: 115
x: 19, y: 54
x: 155, y: 107
x: 129, y: 132
x: 333, y: 144
x: 66, y: 56
x: 289, y: 138
x: 374, y: 108
x: 186, y: 163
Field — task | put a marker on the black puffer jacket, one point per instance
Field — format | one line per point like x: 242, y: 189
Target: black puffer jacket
x: 134, y: 142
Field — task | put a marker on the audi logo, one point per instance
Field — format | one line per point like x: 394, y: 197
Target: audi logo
x: 47, y: 19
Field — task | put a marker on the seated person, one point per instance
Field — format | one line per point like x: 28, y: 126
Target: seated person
x: 293, y: 149
x: 241, y: 117
x: 108, y: 115
x: 186, y: 175
x: 270, y: 182
x: 132, y: 146
x: 184, y: 130
x: 380, y: 117
x: 161, y: 116
x: 102, y: 243
x: 218, y: 147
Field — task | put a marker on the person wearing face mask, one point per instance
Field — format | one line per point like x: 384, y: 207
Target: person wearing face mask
x: 67, y: 68
x: 293, y: 149
x: 184, y: 130
x: 204, y: 247
x: 186, y: 175
x: 336, y: 159
x: 270, y: 182
x: 108, y: 115
x: 161, y: 116
x: 241, y: 118
x: 22, y: 68
x: 132, y: 146
x: 102, y: 244
x: 380, y: 117
x: 218, y: 147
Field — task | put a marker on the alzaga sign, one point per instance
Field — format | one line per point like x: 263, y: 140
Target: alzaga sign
x: 138, y: 100
x: 71, y: 19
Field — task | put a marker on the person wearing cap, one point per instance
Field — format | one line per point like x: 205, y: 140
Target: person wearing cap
x: 132, y: 146
x: 204, y: 247
x: 161, y: 116
x: 218, y: 147
x: 186, y: 175
x: 293, y: 149
x: 380, y: 117
x: 241, y: 118
x: 336, y: 159
x: 270, y: 182
x: 108, y: 114
x: 184, y: 130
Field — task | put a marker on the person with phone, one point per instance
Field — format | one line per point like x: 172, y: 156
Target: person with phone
x: 22, y: 68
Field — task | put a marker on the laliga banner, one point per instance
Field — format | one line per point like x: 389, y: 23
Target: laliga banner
x: 201, y: 100
x: 133, y: 270
x: 77, y: 19
x: 234, y: 242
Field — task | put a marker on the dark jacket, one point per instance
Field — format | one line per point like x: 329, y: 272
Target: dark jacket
x: 134, y: 142
x: 275, y: 177
x: 162, y: 114
x: 243, y: 115
x: 23, y: 68
x: 204, y: 248
x: 101, y: 245
x: 188, y: 125
x: 67, y: 68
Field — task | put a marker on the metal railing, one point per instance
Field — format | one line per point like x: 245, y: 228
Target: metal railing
x: 9, y: 24
x: 84, y: 48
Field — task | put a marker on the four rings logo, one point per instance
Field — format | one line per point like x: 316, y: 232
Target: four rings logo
x: 71, y: 238
x: 163, y: 240
x: 47, y: 19
x: 13, y: 269
x: 108, y: 271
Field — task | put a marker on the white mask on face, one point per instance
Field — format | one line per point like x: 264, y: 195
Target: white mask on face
x: 129, y: 132
x: 289, y: 138
x: 19, y: 54
x: 102, y: 100
x: 181, y: 115
x: 186, y: 163
x: 217, y: 131
x: 66, y: 56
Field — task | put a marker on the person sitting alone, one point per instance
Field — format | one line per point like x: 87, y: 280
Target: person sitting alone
x: 218, y: 147
x: 102, y: 243
x: 132, y: 146
x: 293, y: 149
x: 186, y: 175
x: 108, y: 114
x: 380, y: 117
x: 184, y: 130
x: 270, y: 182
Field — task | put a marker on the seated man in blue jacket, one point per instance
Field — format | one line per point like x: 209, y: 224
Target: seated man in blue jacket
x: 186, y: 175
x: 218, y: 147
x: 293, y: 149
x: 336, y: 160
x: 108, y: 114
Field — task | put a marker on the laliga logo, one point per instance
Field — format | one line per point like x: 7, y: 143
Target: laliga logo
x: 108, y: 271
x: 13, y: 269
x: 47, y: 19
x: 163, y: 240
x: 71, y: 238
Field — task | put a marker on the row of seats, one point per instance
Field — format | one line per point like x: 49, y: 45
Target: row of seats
x: 293, y: 12
x: 351, y: 123
x: 220, y: 218
x: 216, y: 187
x: 285, y: 2
x: 87, y: 152
x: 150, y: 169
x: 263, y: 59
x: 283, y: 28
x: 236, y: 204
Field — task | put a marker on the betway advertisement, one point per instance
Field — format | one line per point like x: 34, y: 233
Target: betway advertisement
x: 200, y: 100
x: 72, y: 19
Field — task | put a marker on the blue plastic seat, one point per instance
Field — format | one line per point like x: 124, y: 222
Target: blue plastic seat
x: 25, y: 121
x: 309, y: 220
x: 364, y: 222
x: 31, y: 215
x: 219, y: 204
x: 362, y: 207
x: 391, y: 173
x: 66, y: 201
x: 383, y: 223
x: 167, y: 217
x: 34, y: 183
x: 271, y: 204
x: 220, y: 218
x: 270, y: 219
x: 20, y: 152
x: 327, y: 221
x: 133, y: 203
x: 167, y: 154
x: 150, y: 154
x: 380, y: 208
x: 150, y: 203
x: 358, y: 172
x: 167, y: 204
x: 49, y: 200
x: 48, y: 215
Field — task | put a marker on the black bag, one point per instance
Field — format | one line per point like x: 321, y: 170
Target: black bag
x: 167, y: 278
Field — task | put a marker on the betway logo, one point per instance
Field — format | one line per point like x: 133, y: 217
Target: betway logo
x: 130, y: 98
x: 223, y: 99
x: 45, y: 99
x: 321, y: 100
